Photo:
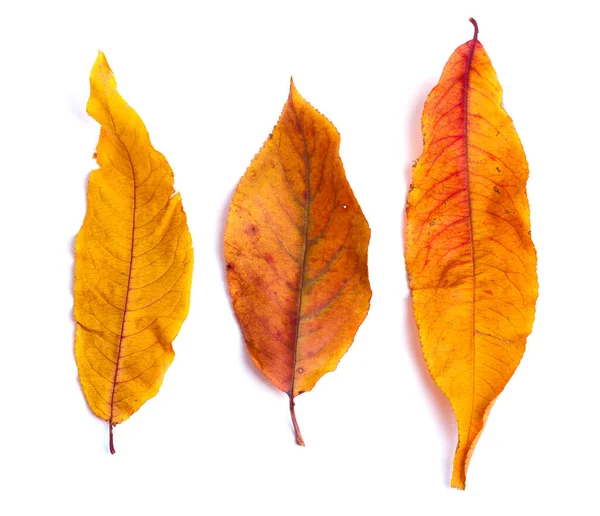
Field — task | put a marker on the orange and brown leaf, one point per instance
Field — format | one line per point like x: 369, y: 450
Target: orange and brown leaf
x: 296, y: 250
x: 470, y: 259
x: 133, y: 262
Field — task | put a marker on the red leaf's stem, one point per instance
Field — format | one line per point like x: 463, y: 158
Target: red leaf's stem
x: 299, y: 439
x: 472, y: 20
x: 110, y: 438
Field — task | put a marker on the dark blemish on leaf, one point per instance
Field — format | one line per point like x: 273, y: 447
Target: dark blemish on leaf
x: 432, y: 223
x: 496, y: 190
x: 253, y: 229
x: 499, y: 170
x: 269, y: 258
x: 488, y: 292
x: 506, y: 211
x: 270, y: 135
x: 229, y: 266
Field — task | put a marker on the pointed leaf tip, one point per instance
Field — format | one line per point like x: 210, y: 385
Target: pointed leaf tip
x: 101, y: 62
x: 293, y: 89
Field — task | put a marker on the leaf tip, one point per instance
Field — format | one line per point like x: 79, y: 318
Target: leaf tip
x: 459, y: 474
x: 293, y: 89
x: 102, y: 83
x: 458, y: 485
x: 101, y: 62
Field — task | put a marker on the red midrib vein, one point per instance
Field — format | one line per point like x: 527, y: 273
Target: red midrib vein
x: 125, y: 307
x: 466, y: 121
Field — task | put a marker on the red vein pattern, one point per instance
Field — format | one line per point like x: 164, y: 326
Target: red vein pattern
x: 296, y: 250
x: 470, y: 259
x: 133, y: 262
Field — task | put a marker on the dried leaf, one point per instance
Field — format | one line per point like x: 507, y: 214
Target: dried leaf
x: 133, y: 264
x: 469, y: 255
x: 296, y: 249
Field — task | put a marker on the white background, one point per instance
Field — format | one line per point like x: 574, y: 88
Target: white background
x: 210, y: 82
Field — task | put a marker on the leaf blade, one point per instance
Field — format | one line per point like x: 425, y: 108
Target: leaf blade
x: 296, y: 251
x: 470, y: 259
x: 133, y: 262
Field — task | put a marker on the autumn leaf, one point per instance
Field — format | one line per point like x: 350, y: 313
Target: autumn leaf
x: 133, y: 262
x: 470, y: 259
x: 296, y: 250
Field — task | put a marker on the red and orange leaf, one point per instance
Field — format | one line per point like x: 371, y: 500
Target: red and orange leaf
x: 469, y: 255
x: 133, y: 262
x: 296, y: 250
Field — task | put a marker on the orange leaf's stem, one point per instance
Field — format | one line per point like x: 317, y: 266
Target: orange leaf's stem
x: 299, y: 439
x: 472, y: 20
x: 111, y: 443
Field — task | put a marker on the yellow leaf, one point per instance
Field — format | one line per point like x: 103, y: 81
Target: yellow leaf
x: 133, y: 262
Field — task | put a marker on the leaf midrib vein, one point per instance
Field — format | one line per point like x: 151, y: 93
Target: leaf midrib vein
x: 126, y: 303
x: 470, y: 209
x: 307, y: 159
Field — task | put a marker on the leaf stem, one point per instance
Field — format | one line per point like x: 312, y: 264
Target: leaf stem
x: 111, y: 443
x: 299, y: 439
x: 472, y: 20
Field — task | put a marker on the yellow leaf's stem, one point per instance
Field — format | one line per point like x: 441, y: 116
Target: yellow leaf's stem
x: 299, y: 439
x: 111, y: 443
